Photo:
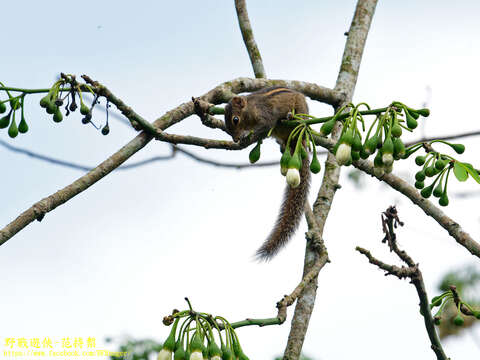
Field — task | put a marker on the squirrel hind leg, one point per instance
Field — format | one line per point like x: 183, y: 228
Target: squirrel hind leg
x: 289, y: 217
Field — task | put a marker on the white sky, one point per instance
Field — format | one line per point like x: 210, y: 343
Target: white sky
x: 121, y: 255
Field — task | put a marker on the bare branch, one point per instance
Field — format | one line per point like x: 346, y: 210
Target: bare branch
x: 248, y: 39
x: 346, y: 82
x: 75, y: 166
x: 412, y: 271
x: 453, y: 228
x: 176, y: 149
x: 447, y: 137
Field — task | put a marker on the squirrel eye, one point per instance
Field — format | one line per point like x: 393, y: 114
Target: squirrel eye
x: 235, y: 120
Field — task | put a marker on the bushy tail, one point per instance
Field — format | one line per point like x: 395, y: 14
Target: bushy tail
x: 289, y: 217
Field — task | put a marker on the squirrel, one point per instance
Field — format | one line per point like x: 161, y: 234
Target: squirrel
x: 255, y: 115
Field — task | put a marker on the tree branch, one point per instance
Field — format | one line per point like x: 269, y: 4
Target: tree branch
x: 453, y: 228
x: 248, y: 39
x: 176, y: 149
x: 346, y: 82
x: 219, y: 94
x: 412, y: 271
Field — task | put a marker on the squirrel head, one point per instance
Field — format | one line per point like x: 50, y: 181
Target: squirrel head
x: 236, y: 118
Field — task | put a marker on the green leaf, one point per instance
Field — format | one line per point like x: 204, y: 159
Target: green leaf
x: 473, y: 173
x: 460, y: 171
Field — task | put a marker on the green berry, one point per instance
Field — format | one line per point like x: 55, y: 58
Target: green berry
x: 284, y: 160
x: 420, y: 160
x: 423, y: 112
x: 347, y: 137
x: 303, y: 152
x: 179, y: 354
x: 315, y: 164
x: 414, y: 114
x: 357, y: 143
x: 459, y: 148
x: 419, y: 184
x: 5, y: 121
x: 396, y: 130
x: 377, y: 161
x: 106, y: 131
x: 438, y: 191
x: 440, y: 164
x: 253, y: 156
x: 387, y: 147
x: 295, y: 162
x: 458, y: 320
x: 44, y: 101
x: 398, y: 148
x: 371, y: 144
x: 363, y: 154
x: 430, y: 171
x: 420, y: 176
x: 23, y: 127
x: 3, y: 108
x: 437, y: 301
x: 437, y: 320
x: 426, y: 192
x: 443, y: 201
x: 84, y: 110
x: 57, y: 117
x: 15, y: 103
x: 411, y: 122
x: 13, y: 130
x: 51, y: 108
x: 327, y: 127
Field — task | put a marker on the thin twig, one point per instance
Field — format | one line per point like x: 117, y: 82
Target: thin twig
x: 137, y: 164
x: 412, y: 271
x: 446, y: 137
x: 453, y: 228
x: 249, y: 40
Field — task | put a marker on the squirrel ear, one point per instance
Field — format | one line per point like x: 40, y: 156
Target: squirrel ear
x: 239, y: 101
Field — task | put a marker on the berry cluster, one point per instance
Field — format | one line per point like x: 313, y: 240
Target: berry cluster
x: 383, y: 138
x: 8, y: 120
x: 65, y: 91
x: 451, y: 297
x: 195, y: 338
x: 300, y: 141
x: 55, y: 99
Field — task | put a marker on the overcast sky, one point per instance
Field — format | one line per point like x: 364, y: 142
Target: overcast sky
x: 118, y: 257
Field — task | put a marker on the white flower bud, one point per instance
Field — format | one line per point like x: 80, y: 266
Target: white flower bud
x: 164, y: 354
x: 387, y: 159
x: 196, y: 355
x: 293, y: 177
x: 378, y: 171
x: 344, y: 152
x: 389, y: 169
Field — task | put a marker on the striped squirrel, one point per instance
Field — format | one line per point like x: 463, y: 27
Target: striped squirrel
x: 254, y: 115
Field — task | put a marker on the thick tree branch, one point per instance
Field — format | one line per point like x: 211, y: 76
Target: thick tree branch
x: 219, y: 94
x: 248, y: 39
x: 346, y: 82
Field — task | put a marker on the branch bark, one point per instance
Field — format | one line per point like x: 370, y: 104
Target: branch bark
x: 219, y: 94
x: 346, y: 82
x: 249, y: 40
x: 412, y: 271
